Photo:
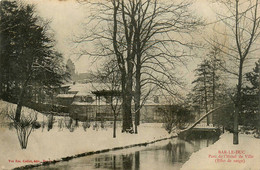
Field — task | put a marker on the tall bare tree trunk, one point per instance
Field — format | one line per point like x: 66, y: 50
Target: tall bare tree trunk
x: 20, y: 98
x: 206, y: 95
x: 114, y: 128
x: 18, y: 111
x: 19, y: 105
x: 213, y: 87
x: 127, y: 101
x: 258, y: 129
x: 137, y: 102
x: 137, y: 92
x: 238, y: 104
x: 137, y: 27
x: 125, y: 70
x: 128, y: 126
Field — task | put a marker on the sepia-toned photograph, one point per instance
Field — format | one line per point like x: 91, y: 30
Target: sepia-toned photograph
x: 130, y: 84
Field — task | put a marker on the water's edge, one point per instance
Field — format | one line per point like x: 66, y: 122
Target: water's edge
x: 91, y: 153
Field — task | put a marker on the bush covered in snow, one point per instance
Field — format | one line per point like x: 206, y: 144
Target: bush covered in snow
x: 175, y: 116
x: 24, y: 127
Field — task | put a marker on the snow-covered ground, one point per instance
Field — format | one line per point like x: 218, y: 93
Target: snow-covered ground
x: 223, y: 155
x: 46, y: 145
x: 58, y: 143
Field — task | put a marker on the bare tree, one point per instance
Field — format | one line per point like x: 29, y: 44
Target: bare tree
x: 115, y: 38
x: 242, y: 20
x: 148, y: 40
x: 157, y: 27
x: 109, y: 75
x: 25, y: 126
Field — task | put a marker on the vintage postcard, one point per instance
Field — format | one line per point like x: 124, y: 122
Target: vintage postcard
x: 130, y: 84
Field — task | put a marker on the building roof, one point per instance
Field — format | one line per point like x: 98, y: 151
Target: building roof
x: 83, y: 104
x: 65, y: 95
x: 65, y: 85
x: 88, y: 88
x: 103, y: 89
x: 106, y: 92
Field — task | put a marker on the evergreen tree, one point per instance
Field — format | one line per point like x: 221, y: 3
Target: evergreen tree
x: 202, y: 86
x: 71, y: 68
x: 251, y: 98
x: 9, y: 23
x: 206, y: 91
x: 27, y: 52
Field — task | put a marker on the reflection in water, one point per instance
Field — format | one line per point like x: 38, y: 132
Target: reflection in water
x: 169, y: 154
x: 125, y: 161
x: 137, y: 160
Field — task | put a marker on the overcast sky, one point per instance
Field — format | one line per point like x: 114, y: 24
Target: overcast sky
x: 67, y: 17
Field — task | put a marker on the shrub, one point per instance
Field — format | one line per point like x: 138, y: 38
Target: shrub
x: 36, y: 125
x: 60, y: 124
x: 43, y: 124
x: 24, y: 127
x: 69, y: 124
x: 175, y: 116
x: 85, y: 125
x: 50, y: 121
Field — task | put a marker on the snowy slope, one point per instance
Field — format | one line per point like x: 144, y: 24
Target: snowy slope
x: 58, y: 143
x: 223, y: 155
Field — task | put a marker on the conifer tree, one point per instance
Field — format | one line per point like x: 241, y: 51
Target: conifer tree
x: 28, y: 57
x: 251, y: 98
x: 206, y: 91
x: 202, y: 87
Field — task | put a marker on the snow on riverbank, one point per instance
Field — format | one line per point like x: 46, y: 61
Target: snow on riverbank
x: 223, y: 155
x: 56, y: 143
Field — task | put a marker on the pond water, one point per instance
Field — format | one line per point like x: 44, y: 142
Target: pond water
x: 164, y: 155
